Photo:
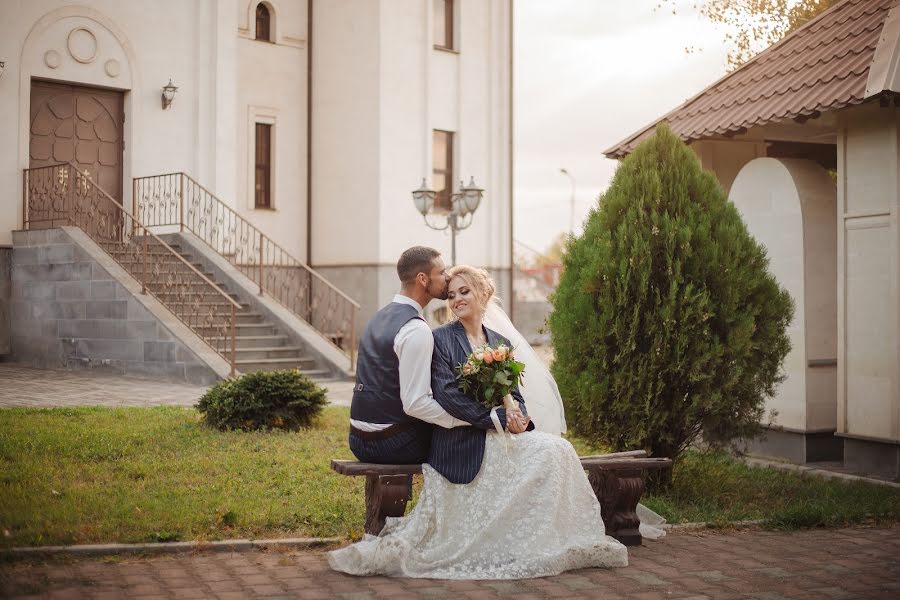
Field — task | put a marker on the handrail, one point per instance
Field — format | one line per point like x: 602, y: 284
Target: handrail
x: 54, y: 192
x: 177, y: 199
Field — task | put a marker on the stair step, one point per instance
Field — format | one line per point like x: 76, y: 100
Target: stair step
x: 224, y: 315
x: 242, y: 329
x: 249, y: 317
x: 275, y: 364
x: 267, y: 353
x: 207, y: 292
x: 251, y: 341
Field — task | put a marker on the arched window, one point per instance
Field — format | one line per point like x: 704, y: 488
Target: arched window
x: 263, y: 23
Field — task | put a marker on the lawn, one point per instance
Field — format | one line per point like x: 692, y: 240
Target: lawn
x: 90, y: 475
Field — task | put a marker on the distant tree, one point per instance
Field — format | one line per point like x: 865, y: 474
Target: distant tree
x: 554, y: 252
x: 754, y: 25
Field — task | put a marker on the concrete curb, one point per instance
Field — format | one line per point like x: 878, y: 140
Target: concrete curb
x: 95, y: 550
x: 753, y: 461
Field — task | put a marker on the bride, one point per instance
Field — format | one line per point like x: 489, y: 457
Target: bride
x: 494, y: 505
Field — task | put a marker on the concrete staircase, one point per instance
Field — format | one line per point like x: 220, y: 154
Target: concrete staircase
x: 260, y: 344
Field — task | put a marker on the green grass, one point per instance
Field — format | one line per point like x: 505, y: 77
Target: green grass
x: 86, y: 475
x: 716, y: 489
x: 90, y: 475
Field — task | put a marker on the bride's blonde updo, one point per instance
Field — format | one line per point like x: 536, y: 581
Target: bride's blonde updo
x: 477, y: 279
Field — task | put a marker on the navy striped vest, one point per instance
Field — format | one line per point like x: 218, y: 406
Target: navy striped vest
x: 376, y: 397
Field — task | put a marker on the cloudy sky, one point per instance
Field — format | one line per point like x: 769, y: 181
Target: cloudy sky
x: 587, y: 74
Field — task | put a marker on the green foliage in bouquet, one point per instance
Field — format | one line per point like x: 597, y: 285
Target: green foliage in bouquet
x: 276, y: 399
x: 667, y: 322
x: 489, y: 373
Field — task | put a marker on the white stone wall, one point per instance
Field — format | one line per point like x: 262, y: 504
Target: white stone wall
x: 379, y: 86
x: 374, y: 111
x: 726, y: 158
x: 138, y: 51
x: 271, y: 88
x: 789, y: 207
x: 868, y: 300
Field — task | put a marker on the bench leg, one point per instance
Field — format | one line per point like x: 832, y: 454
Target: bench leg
x: 386, y: 496
x: 619, y: 494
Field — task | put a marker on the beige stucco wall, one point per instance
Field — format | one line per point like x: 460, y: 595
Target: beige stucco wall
x: 725, y: 158
x: 869, y: 341
x: 380, y: 89
x: 148, y: 47
x: 374, y: 110
x: 789, y: 207
x: 271, y: 89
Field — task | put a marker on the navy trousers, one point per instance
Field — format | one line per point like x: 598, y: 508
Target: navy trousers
x: 407, y: 447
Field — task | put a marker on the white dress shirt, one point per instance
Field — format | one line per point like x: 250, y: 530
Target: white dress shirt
x: 414, y: 346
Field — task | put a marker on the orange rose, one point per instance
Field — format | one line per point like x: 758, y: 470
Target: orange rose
x: 488, y: 358
x: 499, y: 353
x: 467, y: 368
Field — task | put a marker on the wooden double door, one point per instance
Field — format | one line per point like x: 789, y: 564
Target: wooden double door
x: 79, y: 124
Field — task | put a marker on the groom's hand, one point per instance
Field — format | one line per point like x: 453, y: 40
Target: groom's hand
x: 516, y: 422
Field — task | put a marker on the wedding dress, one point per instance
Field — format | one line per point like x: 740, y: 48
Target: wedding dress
x: 530, y: 512
x: 544, y: 402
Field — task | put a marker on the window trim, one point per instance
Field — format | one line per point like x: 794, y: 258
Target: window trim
x: 449, y: 28
x: 267, y: 166
x: 448, y: 172
x: 271, y: 23
x: 262, y: 116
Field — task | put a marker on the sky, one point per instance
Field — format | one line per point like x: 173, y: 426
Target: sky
x: 588, y: 73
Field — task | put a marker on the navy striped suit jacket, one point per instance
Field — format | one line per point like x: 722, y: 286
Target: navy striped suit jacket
x: 457, y: 453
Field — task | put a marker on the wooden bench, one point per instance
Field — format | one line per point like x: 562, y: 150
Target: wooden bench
x: 617, y: 480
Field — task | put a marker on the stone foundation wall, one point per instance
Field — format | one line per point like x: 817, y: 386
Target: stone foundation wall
x: 70, y: 312
x: 5, y: 299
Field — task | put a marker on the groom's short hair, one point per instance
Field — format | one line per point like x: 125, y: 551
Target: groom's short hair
x: 418, y: 259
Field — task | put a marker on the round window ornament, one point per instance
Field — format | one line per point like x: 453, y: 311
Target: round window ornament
x: 82, y: 44
x: 52, y: 59
x: 112, y: 67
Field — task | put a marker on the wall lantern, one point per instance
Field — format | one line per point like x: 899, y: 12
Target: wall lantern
x: 2, y: 65
x: 168, y: 94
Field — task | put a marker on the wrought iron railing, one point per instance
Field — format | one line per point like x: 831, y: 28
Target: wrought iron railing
x: 62, y: 195
x: 176, y: 199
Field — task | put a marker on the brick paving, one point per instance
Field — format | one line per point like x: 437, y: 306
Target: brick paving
x: 29, y: 387
x: 831, y: 564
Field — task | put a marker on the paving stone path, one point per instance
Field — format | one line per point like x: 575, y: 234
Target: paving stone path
x: 28, y: 387
x: 831, y: 564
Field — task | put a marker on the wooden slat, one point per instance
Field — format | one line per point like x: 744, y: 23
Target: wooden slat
x: 626, y: 463
x: 616, y: 461
x: 352, y: 467
x: 629, y: 453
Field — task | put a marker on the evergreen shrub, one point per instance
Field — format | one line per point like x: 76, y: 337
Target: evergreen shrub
x: 667, y: 322
x: 285, y: 399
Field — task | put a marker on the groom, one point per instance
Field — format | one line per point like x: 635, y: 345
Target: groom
x: 392, y: 410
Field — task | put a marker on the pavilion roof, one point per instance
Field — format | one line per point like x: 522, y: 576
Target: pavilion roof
x: 843, y: 57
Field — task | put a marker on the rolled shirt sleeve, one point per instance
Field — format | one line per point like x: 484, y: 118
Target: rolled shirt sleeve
x: 414, y: 346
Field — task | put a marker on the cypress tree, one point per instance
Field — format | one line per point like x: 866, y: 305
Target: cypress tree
x: 667, y: 323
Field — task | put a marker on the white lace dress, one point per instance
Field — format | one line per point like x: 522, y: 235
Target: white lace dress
x: 530, y: 512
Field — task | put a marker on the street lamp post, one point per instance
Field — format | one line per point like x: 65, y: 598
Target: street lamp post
x: 571, y: 200
x: 463, y: 205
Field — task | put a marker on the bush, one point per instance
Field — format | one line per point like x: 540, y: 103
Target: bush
x: 274, y: 399
x: 667, y: 322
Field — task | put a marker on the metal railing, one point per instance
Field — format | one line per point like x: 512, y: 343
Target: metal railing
x: 176, y: 199
x: 62, y: 195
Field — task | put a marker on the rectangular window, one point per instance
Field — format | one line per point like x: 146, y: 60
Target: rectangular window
x: 442, y: 170
x: 443, y: 24
x: 263, y: 166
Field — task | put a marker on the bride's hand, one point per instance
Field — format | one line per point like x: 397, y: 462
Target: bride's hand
x: 516, y: 422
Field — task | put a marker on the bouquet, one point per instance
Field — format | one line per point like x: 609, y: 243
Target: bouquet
x: 489, y: 373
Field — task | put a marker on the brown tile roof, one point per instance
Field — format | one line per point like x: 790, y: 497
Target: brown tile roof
x: 822, y: 66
